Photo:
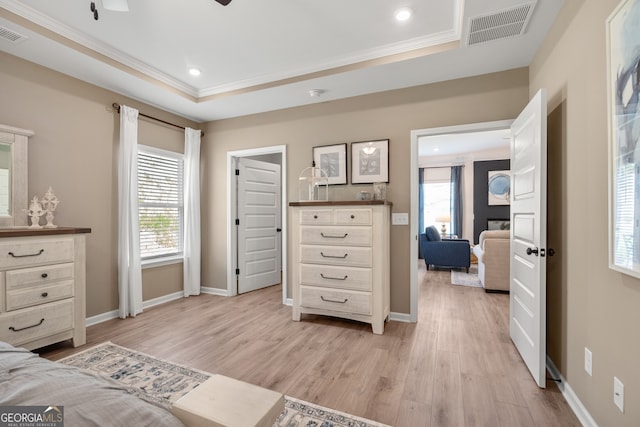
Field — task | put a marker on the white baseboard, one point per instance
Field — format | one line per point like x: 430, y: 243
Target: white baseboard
x: 400, y: 317
x: 99, y: 318
x: 570, y: 396
x: 214, y: 291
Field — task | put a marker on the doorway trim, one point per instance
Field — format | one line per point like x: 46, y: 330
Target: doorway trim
x: 232, y: 244
x: 415, y: 136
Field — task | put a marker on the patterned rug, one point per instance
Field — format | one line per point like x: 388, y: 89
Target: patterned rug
x: 460, y: 277
x: 163, y: 383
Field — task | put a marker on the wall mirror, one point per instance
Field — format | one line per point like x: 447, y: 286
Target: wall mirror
x: 13, y: 175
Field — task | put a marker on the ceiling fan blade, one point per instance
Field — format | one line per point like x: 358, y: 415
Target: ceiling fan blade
x: 116, y: 5
x: 224, y: 2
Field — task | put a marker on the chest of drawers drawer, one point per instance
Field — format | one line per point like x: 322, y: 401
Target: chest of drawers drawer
x: 36, y: 322
x: 35, y: 276
x: 336, y: 255
x: 340, y: 300
x: 336, y: 277
x: 356, y: 236
x: 36, y: 252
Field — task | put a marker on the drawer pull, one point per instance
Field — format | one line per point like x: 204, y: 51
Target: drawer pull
x: 315, y: 217
x: 45, y: 294
x: 333, y: 278
x: 333, y: 256
x: 353, y: 217
x: 11, y: 328
x: 27, y: 255
x: 44, y: 275
x: 329, y: 236
x: 330, y: 300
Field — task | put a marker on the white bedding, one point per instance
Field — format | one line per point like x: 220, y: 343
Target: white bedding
x: 88, y: 400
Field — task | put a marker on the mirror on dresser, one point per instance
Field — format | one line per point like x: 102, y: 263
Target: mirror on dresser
x: 13, y: 175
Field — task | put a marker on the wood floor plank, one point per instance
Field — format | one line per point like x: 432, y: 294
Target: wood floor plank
x: 455, y: 367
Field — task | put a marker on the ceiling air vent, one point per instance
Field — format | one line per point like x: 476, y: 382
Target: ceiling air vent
x: 11, y: 35
x: 505, y: 23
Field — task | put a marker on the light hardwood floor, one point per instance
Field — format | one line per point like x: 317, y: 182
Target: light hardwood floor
x: 455, y: 367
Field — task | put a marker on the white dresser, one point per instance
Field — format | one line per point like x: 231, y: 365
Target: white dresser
x: 340, y: 261
x: 42, y: 286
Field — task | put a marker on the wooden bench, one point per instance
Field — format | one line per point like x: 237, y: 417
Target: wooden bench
x: 224, y: 402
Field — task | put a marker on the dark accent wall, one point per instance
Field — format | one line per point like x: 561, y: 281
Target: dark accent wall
x: 482, y: 212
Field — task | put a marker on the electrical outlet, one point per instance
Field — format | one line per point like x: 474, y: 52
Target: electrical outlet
x: 588, y: 361
x: 618, y: 393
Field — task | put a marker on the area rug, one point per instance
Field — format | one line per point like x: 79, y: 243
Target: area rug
x: 459, y: 277
x: 162, y: 382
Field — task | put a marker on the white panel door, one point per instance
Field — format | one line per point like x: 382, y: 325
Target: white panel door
x: 259, y: 216
x: 527, y: 323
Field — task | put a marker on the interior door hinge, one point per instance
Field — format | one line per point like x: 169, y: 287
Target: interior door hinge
x: 237, y: 221
x: 237, y: 171
x: 237, y: 271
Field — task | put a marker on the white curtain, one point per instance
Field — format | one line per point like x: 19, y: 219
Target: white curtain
x: 191, y: 265
x: 129, y: 268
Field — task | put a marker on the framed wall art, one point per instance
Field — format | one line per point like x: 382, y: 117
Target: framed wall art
x: 370, y: 161
x: 499, y: 187
x: 623, y: 63
x: 333, y: 160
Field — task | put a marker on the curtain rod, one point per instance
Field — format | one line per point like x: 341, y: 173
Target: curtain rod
x: 116, y: 107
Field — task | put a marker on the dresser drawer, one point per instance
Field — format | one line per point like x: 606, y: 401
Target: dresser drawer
x: 336, y: 277
x: 32, y: 323
x: 354, y: 216
x: 336, y: 255
x: 357, y: 236
x: 39, y: 295
x: 336, y: 300
x: 36, y: 276
x: 35, y: 252
x: 319, y: 216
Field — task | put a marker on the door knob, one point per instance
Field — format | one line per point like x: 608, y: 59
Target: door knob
x: 532, y: 251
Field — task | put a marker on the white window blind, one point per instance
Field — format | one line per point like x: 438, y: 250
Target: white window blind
x: 625, y: 213
x: 160, y: 202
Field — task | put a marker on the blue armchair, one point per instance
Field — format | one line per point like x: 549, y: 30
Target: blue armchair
x: 444, y: 252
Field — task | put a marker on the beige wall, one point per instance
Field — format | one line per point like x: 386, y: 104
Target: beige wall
x: 74, y: 150
x: 386, y: 115
x: 589, y: 305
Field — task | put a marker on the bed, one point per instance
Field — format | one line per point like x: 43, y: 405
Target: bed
x: 88, y: 400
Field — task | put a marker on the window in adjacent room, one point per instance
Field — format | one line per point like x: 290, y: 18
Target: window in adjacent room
x: 160, y: 203
x: 437, y: 196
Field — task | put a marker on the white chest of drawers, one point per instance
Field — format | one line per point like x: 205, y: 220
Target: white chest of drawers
x: 42, y: 286
x: 340, y: 261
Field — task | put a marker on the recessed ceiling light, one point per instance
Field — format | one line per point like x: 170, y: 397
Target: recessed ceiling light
x: 315, y: 93
x: 403, y: 14
x: 194, y: 71
x: 436, y: 149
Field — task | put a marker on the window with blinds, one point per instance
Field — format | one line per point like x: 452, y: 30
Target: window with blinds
x: 160, y: 202
x: 625, y: 205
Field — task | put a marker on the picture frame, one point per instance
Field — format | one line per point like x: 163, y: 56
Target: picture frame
x: 333, y: 160
x: 624, y: 127
x: 499, y: 187
x: 370, y: 161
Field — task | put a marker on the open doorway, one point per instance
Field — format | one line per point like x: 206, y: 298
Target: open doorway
x: 275, y: 233
x: 451, y: 145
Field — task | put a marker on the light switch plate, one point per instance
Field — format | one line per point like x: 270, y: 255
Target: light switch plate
x: 399, y: 219
x: 618, y: 393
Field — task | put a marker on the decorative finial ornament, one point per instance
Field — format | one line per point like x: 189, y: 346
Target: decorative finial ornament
x: 34, y: 212
x: 50, y: 203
